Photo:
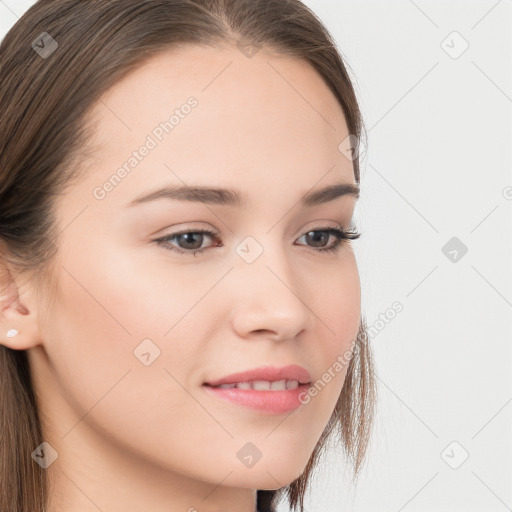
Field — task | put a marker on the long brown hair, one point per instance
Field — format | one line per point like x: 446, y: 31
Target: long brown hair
x: 55, y: 62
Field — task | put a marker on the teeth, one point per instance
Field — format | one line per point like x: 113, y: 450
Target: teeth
x: 292, y: 384
x: 278, y: 384
x: 263, y: 385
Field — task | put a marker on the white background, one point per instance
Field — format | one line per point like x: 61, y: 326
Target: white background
x: 437, y: 166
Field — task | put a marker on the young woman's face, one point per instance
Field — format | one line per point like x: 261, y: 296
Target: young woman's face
x: 139, y: 326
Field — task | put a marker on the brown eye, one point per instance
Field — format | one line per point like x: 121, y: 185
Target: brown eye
x: 190, y: 241
x: 341, y: 236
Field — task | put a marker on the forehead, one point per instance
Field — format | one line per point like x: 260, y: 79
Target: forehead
x: 260, y: 121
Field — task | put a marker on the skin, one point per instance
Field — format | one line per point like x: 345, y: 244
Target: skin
x: 132, y: 437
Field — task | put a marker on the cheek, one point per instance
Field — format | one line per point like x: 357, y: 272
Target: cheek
x: 338, y: 314
x: 338, y: 306
x: 102, y: 318
x: 108, y: 322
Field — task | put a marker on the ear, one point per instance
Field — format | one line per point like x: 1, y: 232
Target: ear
x: 18, y: 311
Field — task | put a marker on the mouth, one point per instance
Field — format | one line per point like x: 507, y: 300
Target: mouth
x: 265, y: 397
x: 266, y: 378
x: 268, y: 389
x: 262, y: 385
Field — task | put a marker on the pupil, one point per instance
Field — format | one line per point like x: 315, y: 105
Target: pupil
x: 191, y: 235
x: 317, y: 234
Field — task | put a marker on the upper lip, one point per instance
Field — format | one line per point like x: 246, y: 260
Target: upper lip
x: 269, y: 373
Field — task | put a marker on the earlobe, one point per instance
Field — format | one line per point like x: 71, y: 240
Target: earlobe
x: 18, y: 325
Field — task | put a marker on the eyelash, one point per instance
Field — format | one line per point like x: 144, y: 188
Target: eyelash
x: 342, y: 235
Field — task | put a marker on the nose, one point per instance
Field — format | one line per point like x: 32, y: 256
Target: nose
x: 270, y: 299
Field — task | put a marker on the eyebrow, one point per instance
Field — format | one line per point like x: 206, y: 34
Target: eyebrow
x: 228, y: 197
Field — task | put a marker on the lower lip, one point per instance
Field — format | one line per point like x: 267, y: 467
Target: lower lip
x: 273, y: 402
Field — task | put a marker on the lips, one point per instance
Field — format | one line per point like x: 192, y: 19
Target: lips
x: 265, y: 373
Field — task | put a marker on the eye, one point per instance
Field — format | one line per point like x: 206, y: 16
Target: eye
x: 187, y: 239
x: 316, y: 236
x: 341, y: 235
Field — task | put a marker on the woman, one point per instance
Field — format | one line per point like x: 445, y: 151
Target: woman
x: 139, y: 372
